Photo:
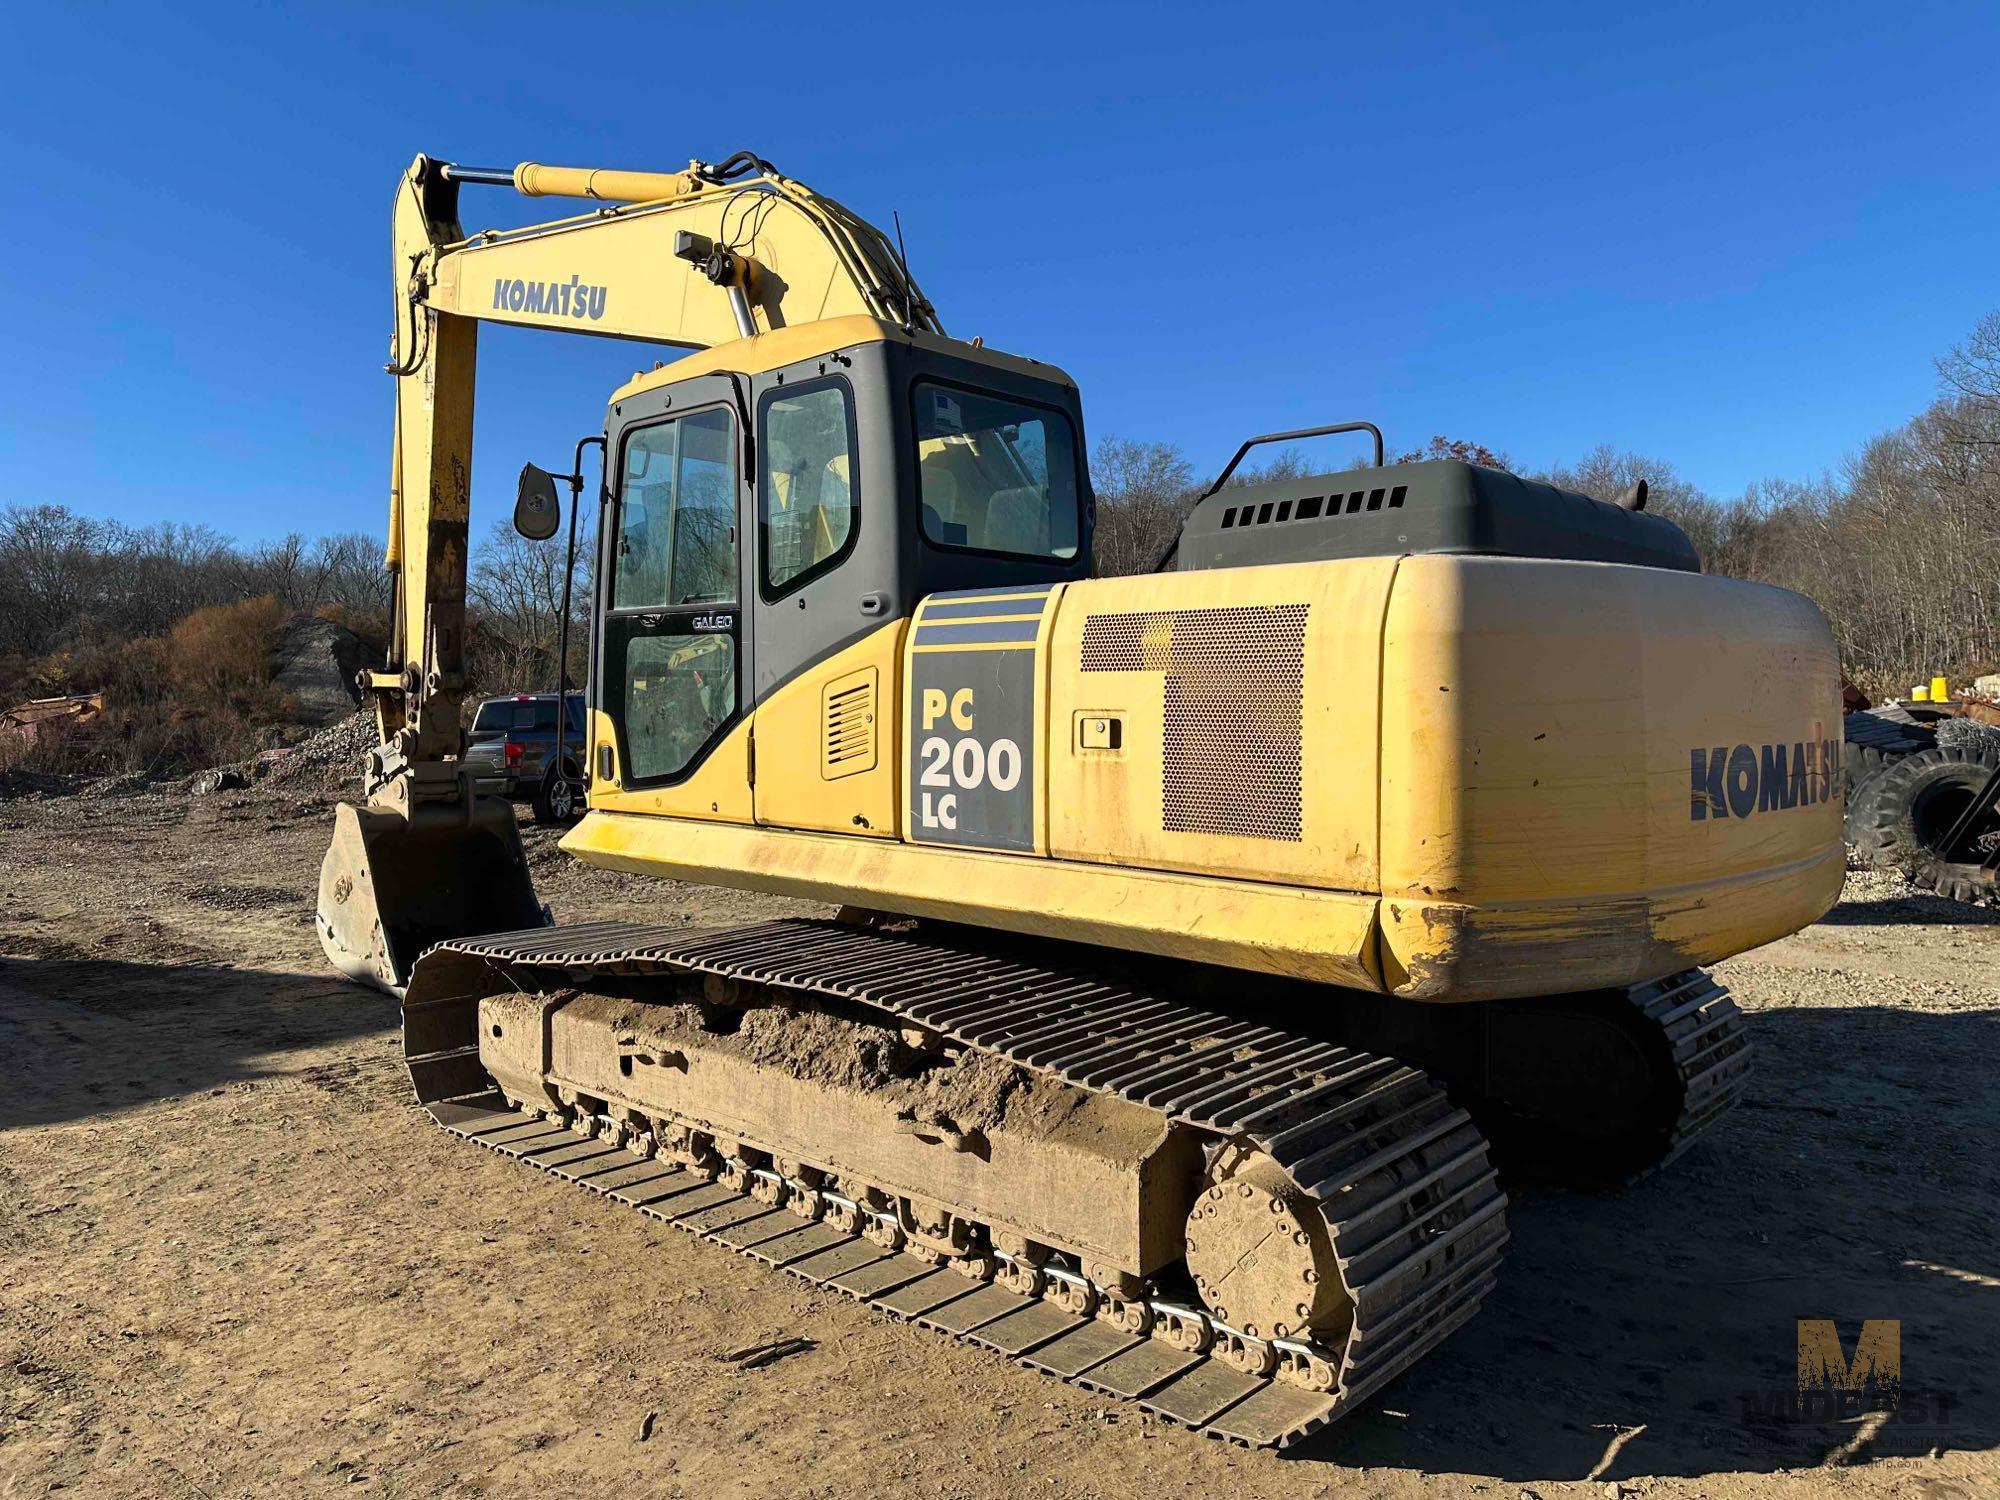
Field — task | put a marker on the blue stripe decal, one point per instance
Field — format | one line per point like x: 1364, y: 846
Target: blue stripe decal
x: 974, y: 609
x: 1019, y: 588
x: 955, y: 634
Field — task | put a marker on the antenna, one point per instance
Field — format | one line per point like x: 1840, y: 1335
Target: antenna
x: 909, y: 285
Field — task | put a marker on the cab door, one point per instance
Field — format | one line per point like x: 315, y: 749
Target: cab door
x: 830, y: 596
x: 673, y: 656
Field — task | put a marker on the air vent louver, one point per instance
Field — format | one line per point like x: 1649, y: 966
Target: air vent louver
x: 849, y: 745
x: 1309, y: 508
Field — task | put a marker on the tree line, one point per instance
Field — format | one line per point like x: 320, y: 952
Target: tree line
x: 72, y: 582
x: 175, y: 626
x: 74, y: 588
x: 1900, y: 545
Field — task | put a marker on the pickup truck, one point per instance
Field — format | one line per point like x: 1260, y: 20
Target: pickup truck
x: 513, y: 742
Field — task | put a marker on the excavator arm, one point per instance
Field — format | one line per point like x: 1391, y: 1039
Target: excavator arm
x: 693, y: 258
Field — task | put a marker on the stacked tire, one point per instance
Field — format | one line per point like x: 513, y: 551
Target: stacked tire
x: 1874, y: 741
x: 1909, y: 786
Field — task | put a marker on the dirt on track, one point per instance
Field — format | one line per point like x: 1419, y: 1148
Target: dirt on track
x: 235, y: 1259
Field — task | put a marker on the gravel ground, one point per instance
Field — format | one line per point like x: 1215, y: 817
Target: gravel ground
x: 235, y: 1259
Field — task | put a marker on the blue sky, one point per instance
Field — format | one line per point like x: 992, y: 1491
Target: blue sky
x: 1733, y: 237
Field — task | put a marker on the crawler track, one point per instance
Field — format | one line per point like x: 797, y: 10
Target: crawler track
x: 1711, y: 1053
x: 1413, y: 1210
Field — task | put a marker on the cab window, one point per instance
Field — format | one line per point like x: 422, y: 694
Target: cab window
x: 996, y: 475
x: 677, y: 515
x: 680, y: 689
x: 668, y: 653
x: 805, y: 492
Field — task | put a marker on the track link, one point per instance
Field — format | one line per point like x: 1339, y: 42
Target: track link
x: 1413, y: 1210
x: 1711, y: 1053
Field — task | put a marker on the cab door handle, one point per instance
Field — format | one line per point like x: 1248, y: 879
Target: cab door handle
x: 875, y: 603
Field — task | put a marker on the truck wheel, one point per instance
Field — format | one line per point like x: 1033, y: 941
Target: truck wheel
x: 1903, y: 817
x: 559, y: 799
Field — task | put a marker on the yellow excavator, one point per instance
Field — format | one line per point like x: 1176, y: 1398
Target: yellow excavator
x: 1210, y: 941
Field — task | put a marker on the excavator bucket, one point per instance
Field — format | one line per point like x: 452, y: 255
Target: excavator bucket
x: 391, y: 885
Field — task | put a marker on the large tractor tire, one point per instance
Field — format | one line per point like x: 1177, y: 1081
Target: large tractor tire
x: 1903, y: 818
x: 1874, y: 741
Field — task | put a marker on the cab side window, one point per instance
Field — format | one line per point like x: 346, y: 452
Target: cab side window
x: 677, y: 520
x: 805, y: 492
x: 996, y: 475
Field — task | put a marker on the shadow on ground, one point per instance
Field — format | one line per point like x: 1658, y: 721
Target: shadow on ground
x: 1910, y: 911
x: 1642, y: 1332
x: 84, y: 1037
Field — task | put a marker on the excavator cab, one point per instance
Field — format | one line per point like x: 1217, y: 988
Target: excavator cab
x: 774, y: 510
x: 771, y: 511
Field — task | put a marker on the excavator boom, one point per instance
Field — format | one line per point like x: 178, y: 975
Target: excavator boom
x: 694, y: 259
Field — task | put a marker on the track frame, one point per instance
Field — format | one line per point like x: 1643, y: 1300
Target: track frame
x: 1413, y: 1209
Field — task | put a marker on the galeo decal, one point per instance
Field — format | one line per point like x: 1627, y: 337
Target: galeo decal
x: 563, y: 299
x: 1737, y: 781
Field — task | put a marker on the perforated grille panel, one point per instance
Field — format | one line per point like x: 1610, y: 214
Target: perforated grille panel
x: 1233, y: 697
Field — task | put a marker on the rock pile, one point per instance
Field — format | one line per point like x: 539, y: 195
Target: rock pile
x: 329, y: 761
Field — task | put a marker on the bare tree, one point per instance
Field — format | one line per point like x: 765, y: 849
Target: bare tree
x: 516, y: 588
x: 51, y: 567
x: 1972, y: 369
x: 1464, y: 450
x: 347, y: 570
x: 1143, y: 492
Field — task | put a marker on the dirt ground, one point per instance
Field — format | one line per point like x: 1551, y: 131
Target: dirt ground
x: 235, y: 1259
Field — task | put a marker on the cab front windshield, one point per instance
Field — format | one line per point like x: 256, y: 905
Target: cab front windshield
x: 996, y: 475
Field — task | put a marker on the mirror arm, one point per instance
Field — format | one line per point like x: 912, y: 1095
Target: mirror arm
x: 575, y: 480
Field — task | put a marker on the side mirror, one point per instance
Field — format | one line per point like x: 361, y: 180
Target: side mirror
x: 536, y: 509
